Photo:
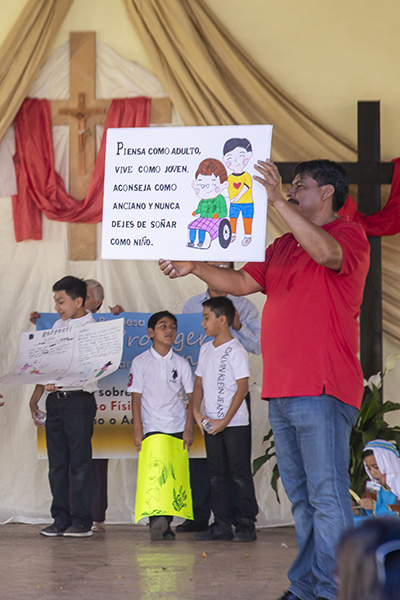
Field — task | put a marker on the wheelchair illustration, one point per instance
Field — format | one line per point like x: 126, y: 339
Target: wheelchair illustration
x: 208, y: 230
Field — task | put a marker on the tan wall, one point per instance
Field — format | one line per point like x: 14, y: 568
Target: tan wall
x: 326, y: 55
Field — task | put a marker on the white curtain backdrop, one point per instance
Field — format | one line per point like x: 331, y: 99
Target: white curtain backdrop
x: 28, y: 271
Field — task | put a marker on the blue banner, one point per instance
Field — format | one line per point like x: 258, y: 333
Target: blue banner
x: 113, y: 432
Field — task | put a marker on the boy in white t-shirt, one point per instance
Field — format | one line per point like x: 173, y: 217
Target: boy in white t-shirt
x: 159, y: 380
x: 223, y: 380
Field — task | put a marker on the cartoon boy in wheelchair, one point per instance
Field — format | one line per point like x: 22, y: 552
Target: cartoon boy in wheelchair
x: 211, y: 179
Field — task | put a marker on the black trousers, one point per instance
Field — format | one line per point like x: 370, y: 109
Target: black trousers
x: 69, y: 429
x: 200, y: 484
x: 228, y: 453
x: 100, y: 482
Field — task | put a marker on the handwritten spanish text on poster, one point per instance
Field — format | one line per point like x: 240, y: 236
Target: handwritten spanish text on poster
x: 185, y: 193
x: 68, y: 356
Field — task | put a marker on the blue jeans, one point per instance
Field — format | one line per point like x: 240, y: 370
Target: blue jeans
x: 312, y: 436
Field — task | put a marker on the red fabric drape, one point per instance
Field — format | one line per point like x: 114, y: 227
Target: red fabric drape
x: 385, y: 221
x: 40, y: 188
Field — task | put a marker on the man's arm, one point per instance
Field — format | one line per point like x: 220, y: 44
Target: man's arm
x: 237, y: 283
x: 137, y: 420
x: 247, y: 325
x: 318, y: 243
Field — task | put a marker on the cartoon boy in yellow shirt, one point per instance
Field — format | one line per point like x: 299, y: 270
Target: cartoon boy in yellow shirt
x: 237, y: 152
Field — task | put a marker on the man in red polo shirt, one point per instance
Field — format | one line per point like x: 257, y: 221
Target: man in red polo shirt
x: 314, y: 279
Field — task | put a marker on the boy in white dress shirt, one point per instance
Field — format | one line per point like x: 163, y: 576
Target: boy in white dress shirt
x: 158, y: 380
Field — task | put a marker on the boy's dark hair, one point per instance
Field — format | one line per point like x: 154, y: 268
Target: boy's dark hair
x: 212, y: 166
x: 236, y: 143
x: 221, y: 305
x: 72, y: 286
x: 327, y: 172
x: 153, y: 320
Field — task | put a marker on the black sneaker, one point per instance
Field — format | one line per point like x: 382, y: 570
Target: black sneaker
x: 169, y: 534
x: 53, y: 530
x: 189, y: 526
x: 158, y: 527
x: 78, y: 531
x: 215, y: 532
x: 245, y: 535
x: 288, y: 595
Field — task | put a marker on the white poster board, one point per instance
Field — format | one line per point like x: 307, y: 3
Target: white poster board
x: 68, y: 356
x: 185, y: 193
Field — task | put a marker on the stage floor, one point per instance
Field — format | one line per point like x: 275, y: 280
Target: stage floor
x: 123, y: 564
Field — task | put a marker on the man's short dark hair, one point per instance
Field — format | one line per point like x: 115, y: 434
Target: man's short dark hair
x: 221, y: 305
x: 153, y: 320
x: 73, y: 287
x: 327, y: 172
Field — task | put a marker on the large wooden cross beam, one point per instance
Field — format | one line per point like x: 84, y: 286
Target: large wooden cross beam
x: 82, y: 112
x: 369, y: 174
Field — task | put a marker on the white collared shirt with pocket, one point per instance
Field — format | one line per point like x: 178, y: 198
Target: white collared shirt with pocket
x: 161, y: 381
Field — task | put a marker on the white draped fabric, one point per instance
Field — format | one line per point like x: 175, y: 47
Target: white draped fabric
x: 29, y: 269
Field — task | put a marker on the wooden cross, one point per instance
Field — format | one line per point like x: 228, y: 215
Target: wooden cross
x: 369, y: 174
x: 82, y: 112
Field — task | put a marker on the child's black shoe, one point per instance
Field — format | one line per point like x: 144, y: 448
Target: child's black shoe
x: 158, y: 527
x: 216, y: 532
x: 245, y: 531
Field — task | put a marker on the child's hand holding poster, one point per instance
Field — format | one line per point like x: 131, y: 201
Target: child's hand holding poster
x: 186, y: 193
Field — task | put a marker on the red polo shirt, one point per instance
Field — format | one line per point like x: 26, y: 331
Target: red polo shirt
x: 309, y: 327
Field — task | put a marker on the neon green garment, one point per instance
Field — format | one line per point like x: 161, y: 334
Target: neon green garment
x: 163, y: 483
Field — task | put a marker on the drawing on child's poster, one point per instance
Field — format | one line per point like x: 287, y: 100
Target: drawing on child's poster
x: 185, y: 193
x: 68, y: 356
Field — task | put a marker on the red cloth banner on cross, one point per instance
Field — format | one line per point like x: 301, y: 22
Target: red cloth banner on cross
x: 40, y: 188
x: 385, y: 221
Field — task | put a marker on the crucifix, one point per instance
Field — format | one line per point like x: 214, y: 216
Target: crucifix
x: 82, y: 112
x: 369, y: 174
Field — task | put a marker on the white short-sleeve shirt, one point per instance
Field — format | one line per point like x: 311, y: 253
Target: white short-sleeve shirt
x: 162, y: 381
x: 220, y: 367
